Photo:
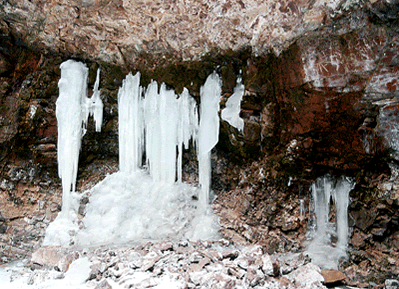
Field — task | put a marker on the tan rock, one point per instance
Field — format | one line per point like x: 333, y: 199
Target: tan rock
x: 49, y: 257
x: 332, y: 276
x: 188, y: 29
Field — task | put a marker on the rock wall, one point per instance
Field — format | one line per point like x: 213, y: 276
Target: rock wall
x: 321, y: 80
x: 122, y: 30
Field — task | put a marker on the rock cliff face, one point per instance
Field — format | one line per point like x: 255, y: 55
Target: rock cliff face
x: 115, y: 30
x: 322, y: 88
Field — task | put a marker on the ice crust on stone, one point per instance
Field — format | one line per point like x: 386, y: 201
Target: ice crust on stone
x: 231, y: 113
x: 321, y: 249
x: 18, y: 277
x: 208, y: 134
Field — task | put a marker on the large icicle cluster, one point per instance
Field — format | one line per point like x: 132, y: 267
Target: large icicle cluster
x: 320, y: 249
x: 157, y: 123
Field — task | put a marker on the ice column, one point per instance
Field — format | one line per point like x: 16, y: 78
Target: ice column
x: 131, y: 127
x: 231, y: 113
x: 341, y: 199
x: 321, y: 192
x: 188, y: 126
x: 161, y: 123
x: 208, y: 135
x: 320, y: 249
x: 170, y: 122
x: 70, y: 117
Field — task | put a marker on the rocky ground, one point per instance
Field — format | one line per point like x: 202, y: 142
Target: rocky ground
x: 201, y: 264
x: 275, y: 261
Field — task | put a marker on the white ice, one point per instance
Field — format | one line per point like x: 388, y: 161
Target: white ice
x: 15, y: 276
x: 208, y: 135
x: 71, y: 115
x: 96, y: 106
x: 157, y: 124
x: 131, y: 124
x: 231, y: 113
x: 125, y: 207
x: 73, y: 109
x: 321, y: 249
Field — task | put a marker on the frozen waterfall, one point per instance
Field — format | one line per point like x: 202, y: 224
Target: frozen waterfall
x: 322, y: 249
x: 146, y: 199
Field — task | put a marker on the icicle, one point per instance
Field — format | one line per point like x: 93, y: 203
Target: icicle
x: 71, y: 114
x: 169, y: 122
x: 97, y: 104
x: 188, y: 126
x: 302, y: 209
x: 231, y: 113
x: 208, y: 134
x: 320, y: 249
x: 341, y: 199
x: 130, y: 124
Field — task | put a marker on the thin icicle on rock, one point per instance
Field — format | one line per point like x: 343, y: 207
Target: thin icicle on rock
x: 96, y: 108
x: 231, y: 113
x: 208, y: 135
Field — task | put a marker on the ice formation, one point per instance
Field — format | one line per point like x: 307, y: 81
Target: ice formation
x: 159, y: 124
x: 70, y: 117
x: 231, y: 113
x: 146, y: 199
x: 156, y: 124
x: 170, y: 122
x: 136, y: 204
x: 208, y: 134
x: 132, y: 207
x: 96, y: 104
x: 131, y: 127
x: 320, y: 248
x: 73, y: 109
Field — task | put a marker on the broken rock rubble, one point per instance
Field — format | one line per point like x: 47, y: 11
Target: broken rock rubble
x: 201, y: 264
